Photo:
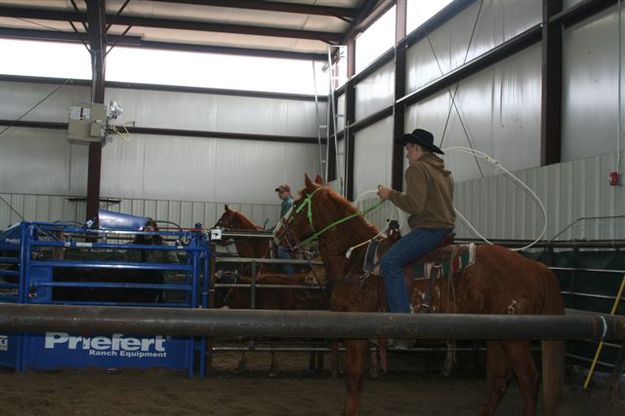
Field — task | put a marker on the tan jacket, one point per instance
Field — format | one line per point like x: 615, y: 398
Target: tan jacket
x: 429, y: 194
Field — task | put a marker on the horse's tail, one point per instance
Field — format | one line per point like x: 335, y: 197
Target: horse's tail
x: 553, y: 352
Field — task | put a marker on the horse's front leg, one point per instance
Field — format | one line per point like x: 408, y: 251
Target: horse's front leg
x: 356, y: 350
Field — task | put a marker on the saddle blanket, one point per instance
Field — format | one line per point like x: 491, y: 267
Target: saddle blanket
x: 451, y: 259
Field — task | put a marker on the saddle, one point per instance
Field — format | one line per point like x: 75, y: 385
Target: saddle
x: 447, y: 256
x: 445, y: 260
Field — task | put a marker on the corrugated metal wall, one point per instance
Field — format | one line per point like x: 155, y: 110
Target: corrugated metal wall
x: 499, y: 110
x: 448, y: 47
x: 497, y: 208
x: 184, y: 213
x: 590, y: 85
x: 210, y: 112
x: 375, y: 92
x: 158, y: 167
x: 373, y: 148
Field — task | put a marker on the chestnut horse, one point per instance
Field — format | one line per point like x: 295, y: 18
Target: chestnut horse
x: 288, y: 299
x: 283, y: 299
x: 499, y: 282
x: 249, y: 247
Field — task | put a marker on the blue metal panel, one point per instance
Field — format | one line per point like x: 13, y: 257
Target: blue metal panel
x: 53, y: 350
x: 9, y: 349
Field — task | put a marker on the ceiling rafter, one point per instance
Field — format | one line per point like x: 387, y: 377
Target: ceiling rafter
x: 274, y: 6
x: 137, y: 42
x: 328, y: 37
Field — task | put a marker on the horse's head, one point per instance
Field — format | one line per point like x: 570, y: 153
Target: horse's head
x: 225, y: 221
x: 234, y: 220
x: 317, y: 208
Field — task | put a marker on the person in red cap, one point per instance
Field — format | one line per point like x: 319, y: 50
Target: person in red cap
x: 284, y: 193
x: 428, y: 199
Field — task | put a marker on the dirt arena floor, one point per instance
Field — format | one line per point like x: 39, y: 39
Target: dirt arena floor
x: 408, y: 389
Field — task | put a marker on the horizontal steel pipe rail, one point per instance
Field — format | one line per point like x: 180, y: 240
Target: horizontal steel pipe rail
x: 266, y: 286
x: 265, y: 260
x: 309, y: 324
x: 244, y: 234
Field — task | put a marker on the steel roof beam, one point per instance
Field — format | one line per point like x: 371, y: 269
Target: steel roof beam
x: 70, y: 37
x: 370, y: 11
x: 136, y: 42
x: 275, y: 6
x: 328, y: 37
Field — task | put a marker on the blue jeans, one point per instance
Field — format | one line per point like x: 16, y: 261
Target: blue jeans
x: 283, y: 253
x: 411, y: 246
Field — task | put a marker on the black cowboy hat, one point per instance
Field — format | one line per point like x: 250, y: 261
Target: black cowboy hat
x: 421, y: 137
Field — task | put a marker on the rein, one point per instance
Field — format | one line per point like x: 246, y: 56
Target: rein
x: 308, y: 203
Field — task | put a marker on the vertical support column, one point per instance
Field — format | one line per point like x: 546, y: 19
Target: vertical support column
x: 397, y: 164
x: 551, y: 114
x: 350, y: 118
x: 96, y: 13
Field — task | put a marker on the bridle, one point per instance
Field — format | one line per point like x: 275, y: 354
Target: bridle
x: 225, y: 221
x: 307, y: 203
x: 288, y: 219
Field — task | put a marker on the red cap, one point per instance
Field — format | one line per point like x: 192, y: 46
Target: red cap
x: 284, y: 187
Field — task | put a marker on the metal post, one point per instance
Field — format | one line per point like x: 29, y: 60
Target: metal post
x: 253, y: 287
x: 96, y: 13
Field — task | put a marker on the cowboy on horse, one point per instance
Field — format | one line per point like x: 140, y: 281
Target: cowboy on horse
x: 429, y: 201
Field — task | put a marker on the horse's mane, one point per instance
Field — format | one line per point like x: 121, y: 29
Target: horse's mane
x: 245, y: 222
x: 347, y: 208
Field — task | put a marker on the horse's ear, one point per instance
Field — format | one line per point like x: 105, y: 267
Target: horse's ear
x: 309, y: 184
x: 226, y: 207
x: 318, y: 179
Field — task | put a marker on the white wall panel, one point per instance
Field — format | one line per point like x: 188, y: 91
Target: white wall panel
x: 340, y: 109
x: 154, y: 167
x: 376, y: 91
x: 499, y: 108
x: 590, y: 86
x: 18, y: 98
x: 448, y: 46
x: 373, y: 156
x: 36, y: 160
x: 200, y: 169
x: 569, y: 191
x: 251, y: 172
x: 194, y: 111
x: 341, y: 165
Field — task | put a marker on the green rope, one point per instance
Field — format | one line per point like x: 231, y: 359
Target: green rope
x: 340, y: 221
